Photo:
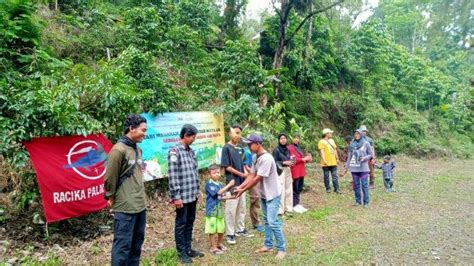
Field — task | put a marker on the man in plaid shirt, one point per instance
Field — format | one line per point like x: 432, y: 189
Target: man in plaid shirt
x: 184, y: 191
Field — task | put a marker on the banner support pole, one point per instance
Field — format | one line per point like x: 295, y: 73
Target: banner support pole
x: 47, y: 231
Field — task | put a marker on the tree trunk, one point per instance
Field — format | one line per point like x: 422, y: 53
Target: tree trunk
x: 281, y: 44
x: 280, y: 48
x: 309, y: 36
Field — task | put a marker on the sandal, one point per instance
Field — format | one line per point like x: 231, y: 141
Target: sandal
x: 216, y: 251
x: 222, y: 247
x: 264, y: 250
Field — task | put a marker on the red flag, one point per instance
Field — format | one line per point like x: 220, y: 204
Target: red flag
x: 70, y: 172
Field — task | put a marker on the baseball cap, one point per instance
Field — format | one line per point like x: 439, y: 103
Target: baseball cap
x: 254, y: 138
x: 327, y: 130
x: 363, y: 128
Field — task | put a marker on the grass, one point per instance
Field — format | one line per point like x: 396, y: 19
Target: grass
x: 427, y: 221
x: 401, y: 227
x: 319, y: 214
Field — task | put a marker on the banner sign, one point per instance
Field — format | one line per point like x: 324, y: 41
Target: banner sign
x: 70, y: 172
x: 163, y: 133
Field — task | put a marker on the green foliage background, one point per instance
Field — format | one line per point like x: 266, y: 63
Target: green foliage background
x: 82, y: 68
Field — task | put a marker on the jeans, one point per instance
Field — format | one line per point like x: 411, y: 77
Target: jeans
x: 297, y: 188
x: 360, y: 180
x: 183, y: 227
x: 333, y: 171
x: 388, y: 183
x: 129, y: 234
x: 273, y: 224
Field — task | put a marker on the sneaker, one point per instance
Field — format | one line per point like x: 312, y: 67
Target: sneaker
x: 280, y: 255
x: 366, y: 206
x: 357, y: 204
x: 244, y: 233
x: 337, y: 192
x: 371, y: 186
x: 194, y: 253
x: 328, y: 191
x: 230, y: 239
x: 303, y: 208
x: 259, y: 228
x: 387, y: 190
x: 185, y: 259
x: 299, y: 209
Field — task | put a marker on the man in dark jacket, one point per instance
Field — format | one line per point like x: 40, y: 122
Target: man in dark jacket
x: 126, y: 193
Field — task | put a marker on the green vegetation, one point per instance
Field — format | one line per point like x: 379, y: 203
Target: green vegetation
x: 81, y: 67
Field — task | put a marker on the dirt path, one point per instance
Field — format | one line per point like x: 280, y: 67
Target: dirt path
x: 428, y: 221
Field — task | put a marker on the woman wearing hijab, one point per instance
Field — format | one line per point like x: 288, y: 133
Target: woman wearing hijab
x: 360, y: 153
x: 283, y: 160
x: 298, y: 172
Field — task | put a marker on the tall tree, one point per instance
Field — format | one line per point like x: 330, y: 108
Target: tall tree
x: 230, y: 25
x: 284, y: 12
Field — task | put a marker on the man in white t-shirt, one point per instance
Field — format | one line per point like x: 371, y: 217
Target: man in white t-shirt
x: 264, y: 171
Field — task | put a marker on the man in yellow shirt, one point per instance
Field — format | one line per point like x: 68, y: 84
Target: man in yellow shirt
x: 329, y: 159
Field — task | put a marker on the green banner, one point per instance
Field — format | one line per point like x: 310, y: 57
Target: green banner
x: 163, y: 133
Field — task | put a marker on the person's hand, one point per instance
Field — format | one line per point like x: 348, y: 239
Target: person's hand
x: 344, y: 172
x: 178, y: 204
x: 288, y: 163
x: 325, y: 162
x: 111, y: 202
x: 238, y: 191
x: 244, y: 175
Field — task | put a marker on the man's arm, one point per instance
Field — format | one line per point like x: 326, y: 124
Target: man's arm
x: 173, y: 178
x: 321, y: 152
x: 249, y: 182
x: 235, y: 172
x: 226, y: 163
x: 227, y: 187
x: 112, y: 173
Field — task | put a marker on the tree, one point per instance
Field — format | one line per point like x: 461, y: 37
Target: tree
x: 284, y: 18
x: 230, y: 25
x: 284, y: 12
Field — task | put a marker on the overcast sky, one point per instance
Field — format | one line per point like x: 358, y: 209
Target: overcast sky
x: 255, y: 7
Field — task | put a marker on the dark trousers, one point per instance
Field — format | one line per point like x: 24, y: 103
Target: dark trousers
x: 183, y: 227
x: 388, y: 183
x: 360, y: 181
x: 297, y: 188
x: 333, y: 171
x: 129, y: 234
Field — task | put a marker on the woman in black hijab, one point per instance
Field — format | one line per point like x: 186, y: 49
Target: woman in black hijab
x: 284, y: 162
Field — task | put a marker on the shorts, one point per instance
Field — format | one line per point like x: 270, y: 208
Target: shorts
x: 214, y: 225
